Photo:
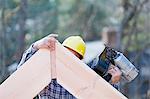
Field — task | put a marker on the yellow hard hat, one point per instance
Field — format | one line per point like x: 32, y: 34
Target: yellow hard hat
x: 75, y: 43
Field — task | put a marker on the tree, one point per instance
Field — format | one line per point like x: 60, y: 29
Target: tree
x: 22, y: 29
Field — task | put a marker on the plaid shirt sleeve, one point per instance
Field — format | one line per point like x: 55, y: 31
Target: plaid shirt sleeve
x: 26, y: 55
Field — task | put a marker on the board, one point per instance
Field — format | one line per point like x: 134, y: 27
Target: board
x: 80, y: 80
x: 71, y: 73
x: 27, y: 81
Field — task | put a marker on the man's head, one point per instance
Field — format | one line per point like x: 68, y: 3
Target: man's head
x: 76, y: 45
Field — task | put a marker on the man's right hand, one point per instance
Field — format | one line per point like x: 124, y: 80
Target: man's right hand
x: 116, y: 74
x: 47, y: 42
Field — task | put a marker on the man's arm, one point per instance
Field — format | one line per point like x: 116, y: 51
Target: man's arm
x: 114, y: 71
x: 27, y: 54
x: 46, y: 42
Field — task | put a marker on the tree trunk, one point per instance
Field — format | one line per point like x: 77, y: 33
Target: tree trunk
x: 3, y: 68
x: 22, y: 29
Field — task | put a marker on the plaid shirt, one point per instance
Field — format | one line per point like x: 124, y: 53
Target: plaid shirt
x: 53, y: 90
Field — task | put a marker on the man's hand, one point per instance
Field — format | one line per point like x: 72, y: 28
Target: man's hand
x: 47, y: 42
x: 116, y: 74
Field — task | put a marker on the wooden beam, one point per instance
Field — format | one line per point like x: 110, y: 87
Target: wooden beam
x: 29, y: 79
x: 71, y: 73
x: 80, y: 80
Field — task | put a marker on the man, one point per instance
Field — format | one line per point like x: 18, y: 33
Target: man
x: 76, y: 45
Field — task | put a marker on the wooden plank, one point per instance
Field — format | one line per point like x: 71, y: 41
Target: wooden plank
x: 29, y: 79
x: 71, y: 73
x: 80, y: 80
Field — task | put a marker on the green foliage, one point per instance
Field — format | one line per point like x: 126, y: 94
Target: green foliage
x: 65, y: 17
x: 69, y: 17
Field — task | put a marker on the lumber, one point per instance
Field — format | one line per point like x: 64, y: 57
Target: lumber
x: 27, y: 81
x: 80, y: 80
x: 70, y: 72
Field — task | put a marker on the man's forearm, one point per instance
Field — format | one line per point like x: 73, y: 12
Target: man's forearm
x: 92, y: 65
x: 27, y: 54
